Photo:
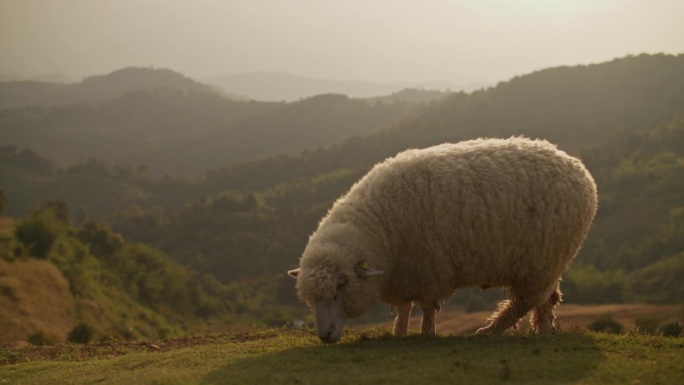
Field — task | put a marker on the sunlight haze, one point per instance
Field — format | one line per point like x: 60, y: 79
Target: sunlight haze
x: 382, y: 41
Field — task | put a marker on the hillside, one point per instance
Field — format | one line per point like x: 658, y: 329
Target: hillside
x: 56, y: 278
x: 171, y: 131
x: 277, y: 86
x: 576, y: 107
x: 97, y: 89
x: 285, y: 129
x: 249, y: 223
x: 35, y: 296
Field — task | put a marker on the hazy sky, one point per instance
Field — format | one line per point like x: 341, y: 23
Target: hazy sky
x: 377, y: 40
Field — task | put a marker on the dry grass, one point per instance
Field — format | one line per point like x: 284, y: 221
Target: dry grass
x: 34, y: 295
x: 371, y: 356
x: 6, y: 226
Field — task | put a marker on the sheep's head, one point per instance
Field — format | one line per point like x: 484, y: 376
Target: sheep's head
x: 335, y: 290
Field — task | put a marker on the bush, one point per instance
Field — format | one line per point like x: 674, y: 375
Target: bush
x: 671, y: 328
x: 8, y: 356
x: 39, y: 232
x: 40, y: 338
x: 606, y: 325
x: 647, y: 325
x: 81, y: 334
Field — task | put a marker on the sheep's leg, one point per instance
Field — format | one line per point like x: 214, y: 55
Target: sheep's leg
x: 427, y: 325
x: 510, y: 311
x: 542, y: 319
x: 401, y: 322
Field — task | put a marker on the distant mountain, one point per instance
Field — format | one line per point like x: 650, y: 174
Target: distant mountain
x: 136, y: 122
x: 44, y: 78
x: 177, y: 132
x: 98, y: 88
x: 411, y: 96
x: 288, y: 128
x: 576, y: 107
x: 278, y: 86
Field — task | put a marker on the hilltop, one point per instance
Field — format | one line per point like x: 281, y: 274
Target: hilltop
x: 278, y: 86
x: 98, y: 88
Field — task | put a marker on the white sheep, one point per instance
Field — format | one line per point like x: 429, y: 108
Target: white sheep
x: 487, y: 212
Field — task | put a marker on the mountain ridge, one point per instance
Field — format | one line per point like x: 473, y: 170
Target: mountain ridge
x: 99, y: 88
x: 280, y: 86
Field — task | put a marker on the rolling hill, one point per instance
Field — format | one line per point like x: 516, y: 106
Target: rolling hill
x: 98, y: 88
x: 249, y: 222
x: 278, y: 86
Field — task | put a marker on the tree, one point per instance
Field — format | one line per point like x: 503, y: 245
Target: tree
x: 4, y: 202
x: 40, y: 231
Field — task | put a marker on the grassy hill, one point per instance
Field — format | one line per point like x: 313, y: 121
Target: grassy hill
x: 366, y: 357
x: 56, y: 279
x: 35, y: 296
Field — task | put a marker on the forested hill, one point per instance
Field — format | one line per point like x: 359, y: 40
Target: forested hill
x: 176, y: 131
x: 99, y: 88
x: 287, y: 128
x: 625, y: 118
x: 577, y: 107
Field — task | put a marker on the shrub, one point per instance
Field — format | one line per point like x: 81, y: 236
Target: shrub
x: 81, y: 334
x: 8, y: 356
x: 670, y: 328
x: 40, y: 338
x: 647, y: 325
x: 606, y: 325
x: 39, y: 232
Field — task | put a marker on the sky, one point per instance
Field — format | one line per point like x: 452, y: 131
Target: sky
x: 459, y: 41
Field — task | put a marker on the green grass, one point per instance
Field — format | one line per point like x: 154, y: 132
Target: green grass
x: 367, y: 357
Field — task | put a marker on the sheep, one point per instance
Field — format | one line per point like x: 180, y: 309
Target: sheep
x: 509, y: 213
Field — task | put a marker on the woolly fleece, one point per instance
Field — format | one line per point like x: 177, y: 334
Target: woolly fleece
x: 486, y: 212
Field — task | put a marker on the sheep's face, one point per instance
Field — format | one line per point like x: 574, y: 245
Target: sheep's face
x: 334, y: 295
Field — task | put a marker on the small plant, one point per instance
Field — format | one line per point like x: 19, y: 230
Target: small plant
x: 670, y: 328
x: 647, y: 325
x: 40, y: 338
x: 81, y: 334
x: 8, y: 357
x: 606, y: 325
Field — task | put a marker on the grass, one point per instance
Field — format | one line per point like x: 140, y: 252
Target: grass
x: 285, y: 356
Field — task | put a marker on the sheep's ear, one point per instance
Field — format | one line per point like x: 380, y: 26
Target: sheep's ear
x: 293, y: 273
x: 364, y: 270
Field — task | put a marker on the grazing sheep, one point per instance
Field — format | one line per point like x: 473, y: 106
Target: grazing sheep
x: 486, y: 212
